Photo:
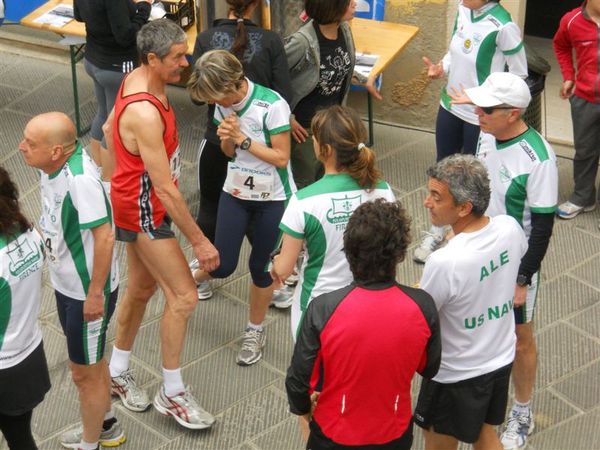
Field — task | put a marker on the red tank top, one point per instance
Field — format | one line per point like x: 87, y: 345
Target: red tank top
x: 136, y: 206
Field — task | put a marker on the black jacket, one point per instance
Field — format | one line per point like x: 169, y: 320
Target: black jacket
x: 111, y: 27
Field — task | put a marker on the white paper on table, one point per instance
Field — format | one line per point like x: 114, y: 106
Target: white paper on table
x: 365, y: 63
x: 58, y: 16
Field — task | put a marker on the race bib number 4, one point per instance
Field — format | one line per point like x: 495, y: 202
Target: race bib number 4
x: 249, y: 184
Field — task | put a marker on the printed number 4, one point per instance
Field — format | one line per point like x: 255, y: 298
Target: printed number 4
x: 48, y: 244
x: 249, y: 182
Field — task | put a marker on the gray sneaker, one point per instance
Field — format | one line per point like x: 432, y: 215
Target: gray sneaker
x: 203, y: 288
x: 517, y: 430
x: 112, y: 437
x: 252, y: 345
x: 429, y: 244
x: 133, y: 397
x: 283, y: 297
x: 184, y: 408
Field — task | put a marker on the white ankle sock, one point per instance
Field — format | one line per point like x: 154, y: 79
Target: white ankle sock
x: 119, y: 361
x: 87, y: 446
x: 252, y: 326
x: 521, y: 408
x: 173, y: 382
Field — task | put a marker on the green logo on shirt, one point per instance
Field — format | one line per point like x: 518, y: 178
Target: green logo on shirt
x: 22, y: 256
x: 342, y: 209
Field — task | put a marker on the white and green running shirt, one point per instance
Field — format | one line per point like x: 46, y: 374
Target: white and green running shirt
x: 261, y: 114
x: 483, y: 41
x: 318, y: 214
x: 523, y: 176
x: 21, y: 263
x: 73, y: 202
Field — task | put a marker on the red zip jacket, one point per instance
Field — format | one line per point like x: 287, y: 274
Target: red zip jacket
x: 577, y: 31
x: 362, y: 344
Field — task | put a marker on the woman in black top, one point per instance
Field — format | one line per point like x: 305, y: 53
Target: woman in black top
x: 262, y: 55
x: 110, y: 52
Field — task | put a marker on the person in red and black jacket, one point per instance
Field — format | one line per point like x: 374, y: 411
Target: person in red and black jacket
x: 578, y: 30
x: 360, y: 346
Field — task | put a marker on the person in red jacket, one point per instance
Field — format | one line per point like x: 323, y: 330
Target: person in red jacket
x: 578, y: 30
x: 360, y: 346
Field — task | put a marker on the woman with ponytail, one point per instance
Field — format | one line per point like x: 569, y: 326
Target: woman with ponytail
x: 24, y: 378
x: 316, y: 216
x: 264, y: 61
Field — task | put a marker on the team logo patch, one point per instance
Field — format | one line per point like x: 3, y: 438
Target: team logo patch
x: 505, y: 175
x: 22, y: 257
x: 342, y: 209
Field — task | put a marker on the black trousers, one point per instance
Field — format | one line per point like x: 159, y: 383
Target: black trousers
x: 17, y: 431
x: 212, y: 171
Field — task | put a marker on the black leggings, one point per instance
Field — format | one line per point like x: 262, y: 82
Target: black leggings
x: 17, y: 431
x: 212, y: 171
x: 453, y: 135
x: 234, y: 218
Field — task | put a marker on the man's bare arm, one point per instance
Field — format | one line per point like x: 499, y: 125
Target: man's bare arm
x: 142, y: 120
x: 108, y: 158
x: 104, y: 241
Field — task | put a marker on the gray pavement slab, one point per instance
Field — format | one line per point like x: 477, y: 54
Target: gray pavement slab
x: 250, y: 402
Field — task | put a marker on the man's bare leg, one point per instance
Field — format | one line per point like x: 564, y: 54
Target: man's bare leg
x: 141, y: 286
x: 437, y: 441
x: 488, y: 439
x: 94, y: 397
x: 525, y: 364
x: 174, y: 278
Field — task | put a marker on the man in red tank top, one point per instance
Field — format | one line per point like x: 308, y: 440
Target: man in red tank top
x: 145, y: 197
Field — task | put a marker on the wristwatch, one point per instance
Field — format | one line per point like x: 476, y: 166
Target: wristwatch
x: 245, y: 145
x: 522, y: 280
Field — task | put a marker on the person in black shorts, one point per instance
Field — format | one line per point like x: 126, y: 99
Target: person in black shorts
x: 471, y: 281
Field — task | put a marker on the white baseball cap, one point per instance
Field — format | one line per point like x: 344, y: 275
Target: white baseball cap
x: 501, y: 88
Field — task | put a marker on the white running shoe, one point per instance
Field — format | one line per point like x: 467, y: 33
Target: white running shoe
x: 203, y: 288
x: 283, y: 297
x: 252, y: 344
x: 133, y: 397
x: 517, y: 430
x: 430, y: 243
x: 568, y: 210
x: 184, y: 408
x: 113, y: 436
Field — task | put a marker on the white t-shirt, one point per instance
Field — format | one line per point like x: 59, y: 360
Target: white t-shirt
x: 318, y: 214
x: 21, y: 263
x: 472, y: 281
x: 261, y: 114
x: 483, y: 41
x: 523, y: 176
x: 73, y: 202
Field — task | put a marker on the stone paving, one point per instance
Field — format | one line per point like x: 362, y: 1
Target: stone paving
x: 250, y: 402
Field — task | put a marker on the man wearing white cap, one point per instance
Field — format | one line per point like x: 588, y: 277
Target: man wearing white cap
x: 524, y: 183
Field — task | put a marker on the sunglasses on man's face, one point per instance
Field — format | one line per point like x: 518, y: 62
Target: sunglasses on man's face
x: 490, y: 109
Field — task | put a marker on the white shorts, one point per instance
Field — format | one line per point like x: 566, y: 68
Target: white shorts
x: 524, y: 314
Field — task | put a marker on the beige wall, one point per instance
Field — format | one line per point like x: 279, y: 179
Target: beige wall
x: 410, y: 98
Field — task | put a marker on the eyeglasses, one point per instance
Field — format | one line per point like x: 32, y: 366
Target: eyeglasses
x: 490, y: 109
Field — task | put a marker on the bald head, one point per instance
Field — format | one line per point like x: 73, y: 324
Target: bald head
x: 55, y: 127
x: 48, y: 141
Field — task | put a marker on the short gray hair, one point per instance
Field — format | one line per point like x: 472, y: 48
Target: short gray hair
x: 158, y: 37
x: 216, y: 74
x: 467, y: 180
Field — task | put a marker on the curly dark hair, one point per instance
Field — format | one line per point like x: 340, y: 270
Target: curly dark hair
x: 12, y: 220
x: 376, y: 239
